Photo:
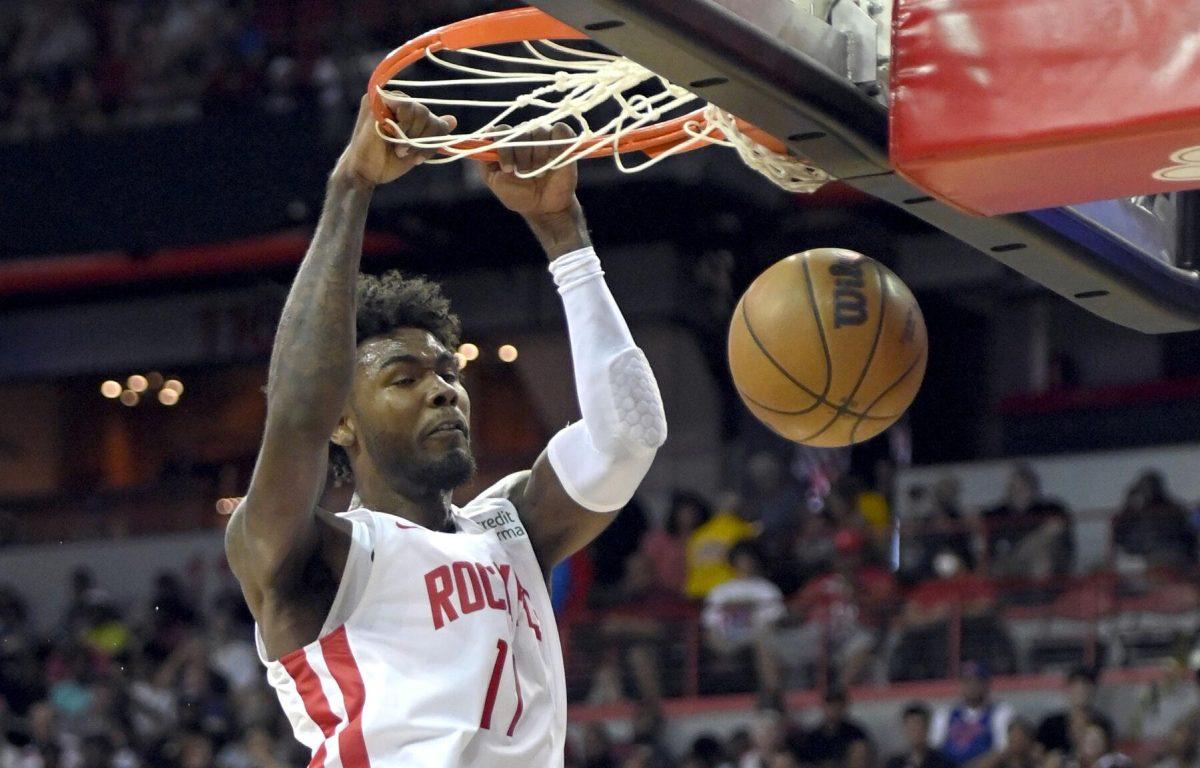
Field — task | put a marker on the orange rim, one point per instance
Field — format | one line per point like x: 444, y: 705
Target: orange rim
x: 526, y: 24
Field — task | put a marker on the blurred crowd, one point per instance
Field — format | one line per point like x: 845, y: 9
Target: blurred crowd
x: 780, y: 585
x: 785, y: 584
x: 173, y: 683
x: 95, y: 64
x: 976, y: 730
x: 164, y: 684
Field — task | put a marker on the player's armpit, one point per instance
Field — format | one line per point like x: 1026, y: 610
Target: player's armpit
x: 273, y: 531
x: 558, y: 526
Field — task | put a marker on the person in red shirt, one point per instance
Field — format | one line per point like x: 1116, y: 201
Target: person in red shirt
x: 665, y: 549
x: 839, y: 611
x: 958, y: 598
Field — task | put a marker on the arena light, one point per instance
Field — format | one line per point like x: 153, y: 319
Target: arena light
x: 137, y: 383
x: 507, y: 353
x: 156, y: 379
x: 129, y: 398
x: 168, y: 396
x: 462, y: 360
x: 469, y: 351
x: 175, y: 385
x: 110, y: 389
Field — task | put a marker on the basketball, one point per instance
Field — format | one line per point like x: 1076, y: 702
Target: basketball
x: 827, y: 347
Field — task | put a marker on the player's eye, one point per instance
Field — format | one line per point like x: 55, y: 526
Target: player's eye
x: 451, y: 377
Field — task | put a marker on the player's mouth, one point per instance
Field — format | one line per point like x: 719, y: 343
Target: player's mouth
x: 449, y: 426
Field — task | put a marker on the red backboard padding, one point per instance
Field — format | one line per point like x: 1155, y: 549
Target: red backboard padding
x: 1013, y: 105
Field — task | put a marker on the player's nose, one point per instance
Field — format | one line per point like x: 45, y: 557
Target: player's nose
x: 442, y: 393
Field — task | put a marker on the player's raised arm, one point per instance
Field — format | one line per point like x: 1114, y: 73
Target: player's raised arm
x: 590, y: 469
x: 273, y: 533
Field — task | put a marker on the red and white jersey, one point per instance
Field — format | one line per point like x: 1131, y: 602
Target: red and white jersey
x: 440, y: 650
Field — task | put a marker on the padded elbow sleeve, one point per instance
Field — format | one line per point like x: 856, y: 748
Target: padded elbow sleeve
x: 602, y: 459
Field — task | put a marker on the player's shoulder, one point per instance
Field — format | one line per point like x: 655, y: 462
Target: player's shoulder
x: 502, y: 492
x: 497, y: 499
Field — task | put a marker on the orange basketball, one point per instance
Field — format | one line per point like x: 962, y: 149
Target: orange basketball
x: 827, y: 347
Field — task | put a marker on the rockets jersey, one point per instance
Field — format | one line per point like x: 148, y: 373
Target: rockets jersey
x: 440, y: 650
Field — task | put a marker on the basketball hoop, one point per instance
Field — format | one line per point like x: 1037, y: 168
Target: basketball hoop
x: 653, y: 116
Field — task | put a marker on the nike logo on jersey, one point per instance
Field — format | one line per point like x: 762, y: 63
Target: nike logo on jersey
x: 463, y: 588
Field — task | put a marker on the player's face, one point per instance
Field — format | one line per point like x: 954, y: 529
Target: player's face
x: 411, y: 411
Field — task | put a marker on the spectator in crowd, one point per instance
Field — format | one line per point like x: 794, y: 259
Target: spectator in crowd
x: 231, y: 654
x: 837, y: 611
x: 171, y: 612
x: 1181, y: 747
x: 1027, y: 534
x: 22, y: 681
x: 861, y: 754
x: 768, y: 739
x: 1152, y: 530
x: 611, y: 551
x: 14, y: 615
x: 652, y: 587
x: 646, y: 747
x: 870, y: 506
x: 921, y: 632
x: 940, y: 527
x: 40, y: 740
x: 1056, y: 731
x: 597, y: 747
x: 842, y: 506
x: 84, y: 596
x: 97, y: 751
x: 742, y: 613
x: 1168, y: 699
x: 256, y: 750
x: 1096, y: 750
x: 708, y: 547
x: 1021, y: 751
x: 665, y: 548
x: 976, y: 725
x: 918, y: 751
x: 813, y: 552
x: 772, y: 498
x: 829, y: 743
x: 706, y: 752
x: 152, y: 702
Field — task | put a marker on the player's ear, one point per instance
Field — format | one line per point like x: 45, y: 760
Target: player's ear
x: 344, y: 433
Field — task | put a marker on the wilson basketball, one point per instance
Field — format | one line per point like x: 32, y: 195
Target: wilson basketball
x: 827, y: 347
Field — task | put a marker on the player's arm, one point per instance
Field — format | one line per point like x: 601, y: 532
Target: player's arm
x: 590, y: 469
x: 274, y: 532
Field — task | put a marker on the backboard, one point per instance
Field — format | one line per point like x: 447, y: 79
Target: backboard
x: 814, y: 75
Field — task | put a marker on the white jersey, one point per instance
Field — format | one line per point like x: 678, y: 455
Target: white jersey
x: 440, y: 650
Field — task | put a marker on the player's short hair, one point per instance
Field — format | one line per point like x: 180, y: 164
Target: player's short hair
x: 385, y: 303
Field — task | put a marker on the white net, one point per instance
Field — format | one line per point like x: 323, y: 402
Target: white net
x: 576, y: 86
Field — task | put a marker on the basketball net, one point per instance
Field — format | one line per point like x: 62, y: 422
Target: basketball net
x: 569, y: 84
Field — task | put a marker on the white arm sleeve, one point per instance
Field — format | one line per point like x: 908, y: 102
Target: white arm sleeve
x: 602, y: 459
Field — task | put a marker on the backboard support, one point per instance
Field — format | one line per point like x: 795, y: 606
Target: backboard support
x: 792, y: 72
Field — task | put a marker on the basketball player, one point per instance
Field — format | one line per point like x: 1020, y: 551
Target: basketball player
x: 406, y: 631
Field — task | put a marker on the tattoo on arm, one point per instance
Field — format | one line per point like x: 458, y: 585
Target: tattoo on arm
x: 313, y: 356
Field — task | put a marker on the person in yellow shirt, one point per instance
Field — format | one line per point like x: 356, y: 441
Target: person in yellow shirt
x: 708, y: 547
